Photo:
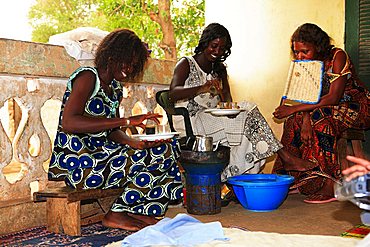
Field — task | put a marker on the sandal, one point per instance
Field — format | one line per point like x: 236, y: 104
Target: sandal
x: 293, y: 191
x: 319, y: 199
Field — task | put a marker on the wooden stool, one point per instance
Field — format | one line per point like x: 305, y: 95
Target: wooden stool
x: 63, y: 208
x: 350, y: 144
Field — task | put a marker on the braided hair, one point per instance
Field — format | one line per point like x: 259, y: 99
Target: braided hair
x: 122, y: 46
x: 313, y: 34
x: 211, y: 32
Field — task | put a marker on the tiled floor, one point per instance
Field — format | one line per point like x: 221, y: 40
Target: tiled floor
x: 293, y: 217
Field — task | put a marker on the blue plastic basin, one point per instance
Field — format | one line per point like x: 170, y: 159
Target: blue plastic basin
x: 261, y: 192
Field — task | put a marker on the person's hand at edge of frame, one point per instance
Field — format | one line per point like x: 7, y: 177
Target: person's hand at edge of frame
x: 361, y: 167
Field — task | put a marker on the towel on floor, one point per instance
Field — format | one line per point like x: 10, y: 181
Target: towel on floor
x: 182, y: 230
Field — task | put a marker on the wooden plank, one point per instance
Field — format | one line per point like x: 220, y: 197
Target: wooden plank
x: 92, y: 219
x: 90, y: 213
x: 71, y: 221
x: 63, y: 217
x: 59, y: 192
x: 73, y: 195
x: 63, y: 208
x: 92, y: 194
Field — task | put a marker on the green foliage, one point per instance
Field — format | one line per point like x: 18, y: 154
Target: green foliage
x: 188, y: 24
x: 49, y: 17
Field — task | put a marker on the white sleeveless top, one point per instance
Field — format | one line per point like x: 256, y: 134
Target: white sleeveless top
x: 198, y: 77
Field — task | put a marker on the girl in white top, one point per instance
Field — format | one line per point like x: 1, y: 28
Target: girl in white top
x: 200, y: 82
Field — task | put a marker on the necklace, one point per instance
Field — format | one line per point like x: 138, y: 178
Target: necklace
x: 113, y: 101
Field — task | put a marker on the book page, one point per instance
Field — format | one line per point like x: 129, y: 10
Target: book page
x: 304, y: 81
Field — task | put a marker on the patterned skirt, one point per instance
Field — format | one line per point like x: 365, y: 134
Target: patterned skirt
x: 328, y: 124
x: 150, y: 178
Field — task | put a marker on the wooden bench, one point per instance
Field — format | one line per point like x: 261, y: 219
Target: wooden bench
x: 350, y: 143
x: 63, y: 207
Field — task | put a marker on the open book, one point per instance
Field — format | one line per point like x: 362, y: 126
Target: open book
x: 304, y: 81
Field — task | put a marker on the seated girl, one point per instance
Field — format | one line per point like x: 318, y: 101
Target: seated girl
x: 92, y: 152
x: 201, y: 82
x: 311, y: 131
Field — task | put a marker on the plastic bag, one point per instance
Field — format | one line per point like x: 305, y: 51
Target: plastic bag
x: 80, y: 43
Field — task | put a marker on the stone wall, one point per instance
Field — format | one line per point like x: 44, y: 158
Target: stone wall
x: 31, y: 76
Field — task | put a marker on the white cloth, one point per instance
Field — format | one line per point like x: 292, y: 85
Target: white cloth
x: 182, y: 230
x: 248, y: 135
x: 242, y: 238
x: 229, y: 130
x: 80, y: 43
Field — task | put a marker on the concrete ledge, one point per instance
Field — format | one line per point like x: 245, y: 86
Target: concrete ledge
x: 35, y: 59
x: 45, y: 60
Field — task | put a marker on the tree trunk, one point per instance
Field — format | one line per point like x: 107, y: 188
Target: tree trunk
x: 163, y: 18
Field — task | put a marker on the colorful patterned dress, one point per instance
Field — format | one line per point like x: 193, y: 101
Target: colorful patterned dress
x: 149, y: 178
x: 328, y: 123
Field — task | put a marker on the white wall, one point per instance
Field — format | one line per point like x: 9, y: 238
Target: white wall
x: 260, y: 31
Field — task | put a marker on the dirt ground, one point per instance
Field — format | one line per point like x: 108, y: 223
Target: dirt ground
x: 293, y: 217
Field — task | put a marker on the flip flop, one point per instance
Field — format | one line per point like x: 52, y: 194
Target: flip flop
x: 293, y: 192
x: 319, y: 199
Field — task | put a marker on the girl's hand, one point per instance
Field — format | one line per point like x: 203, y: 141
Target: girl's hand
x: 283, y: 111
x: 137, y: 120
x: 211, y: 86
x: 216, y: 83
x: 215, y: 88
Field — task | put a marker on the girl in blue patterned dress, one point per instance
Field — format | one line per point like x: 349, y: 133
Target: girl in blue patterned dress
x: 91, y: 151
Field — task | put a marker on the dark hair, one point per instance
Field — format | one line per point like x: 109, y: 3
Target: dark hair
x: 211, y: 32
x: 122, y: 46
x: 313, y: 34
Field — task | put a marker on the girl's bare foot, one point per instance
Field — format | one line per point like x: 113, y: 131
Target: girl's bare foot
x: 123, y: 221
x: 150, y: 220
x: 293, y: 163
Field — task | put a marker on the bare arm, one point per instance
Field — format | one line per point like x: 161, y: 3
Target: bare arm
x: 332, y: 98
x: 75, y: 121
x: 179, y: 92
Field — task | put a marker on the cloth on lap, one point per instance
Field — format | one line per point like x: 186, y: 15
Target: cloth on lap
x: 227, y: 130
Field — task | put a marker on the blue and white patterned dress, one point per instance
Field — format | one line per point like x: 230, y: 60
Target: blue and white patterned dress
x: 150, y: 178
